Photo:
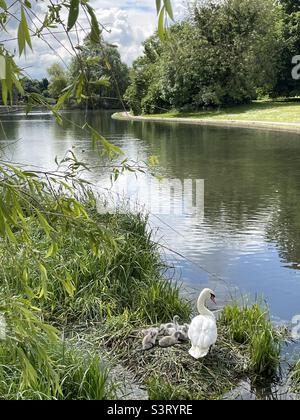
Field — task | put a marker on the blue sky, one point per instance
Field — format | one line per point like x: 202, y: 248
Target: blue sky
x: 129, y: 23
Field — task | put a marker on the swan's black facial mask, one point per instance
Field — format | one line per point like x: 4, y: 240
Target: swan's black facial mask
x: 213, y: 298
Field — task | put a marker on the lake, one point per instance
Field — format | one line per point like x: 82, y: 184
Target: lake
x: 244, y: 236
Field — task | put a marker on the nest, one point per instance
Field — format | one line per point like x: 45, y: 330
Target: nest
x: 174, y: 369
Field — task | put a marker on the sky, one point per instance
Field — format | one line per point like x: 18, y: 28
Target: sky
x: 127, y: 22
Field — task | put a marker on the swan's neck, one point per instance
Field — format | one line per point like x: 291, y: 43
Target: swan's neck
x: 202, y: 309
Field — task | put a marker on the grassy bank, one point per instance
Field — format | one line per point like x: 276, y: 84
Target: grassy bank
x: 117, y: 283
x: 99, y: 298
x: 264, y: 111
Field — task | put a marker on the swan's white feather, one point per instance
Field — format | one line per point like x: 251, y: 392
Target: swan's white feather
x: 203, y: 334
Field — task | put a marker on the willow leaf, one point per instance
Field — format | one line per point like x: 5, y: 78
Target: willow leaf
x: 168, y: 6
x: 73, y: 14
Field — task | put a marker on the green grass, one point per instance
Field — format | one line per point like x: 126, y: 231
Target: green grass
x: 117, y: 285
x: 123, y: 276
x: 251, y: 327
x: 80, y: 376
x: 295, y: 378
x: 160, y: 389
x: 265, y: 111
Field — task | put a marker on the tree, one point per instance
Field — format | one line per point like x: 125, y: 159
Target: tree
x: 290, y: 6
x: 58, y: 80
x: 106, y: 76
x: 144, y: 92
x: 221, y: 54
x: 286, y: 85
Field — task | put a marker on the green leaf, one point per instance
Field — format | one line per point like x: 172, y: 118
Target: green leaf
x: 17, y: 84
x: 110, y: 148
x: 23, y: 33
x: 3, y: 4
x: 29, y: 374
x: 4, y: 91
x: 103, y: 81
x: 73, y: 13
x: 8, y: 74
x: 28, y: 108
x: 51, y: 251
x: 161, y: 24
x: 44, y: 282
x: 95, y: 28
x: 158, y: 6
x: 168, y: 6
x: 69, y: 285
x: 79, y: 88
x: 9, y: 233
x: 44, y: 224
x: 62, y: 99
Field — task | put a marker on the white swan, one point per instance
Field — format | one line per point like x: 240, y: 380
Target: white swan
x: 203, y: 329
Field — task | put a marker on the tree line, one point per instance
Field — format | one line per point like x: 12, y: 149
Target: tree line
x: 223, y: 53
x: 105, y: 80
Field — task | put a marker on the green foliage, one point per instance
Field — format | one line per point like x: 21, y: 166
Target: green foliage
x: 11, y: 84
x: 80, y: 375
x: 295, y: 377
x: 58, y: 80
x: 144, y: 93
x: 35, y: 86
x: 95, y: 28
x: 286, y: 85
x: 73, y: 13
x: 220, y: 55
x: 66, y: 263
x: 94, y: 270
x: 23, y: 33
x: 105, y: 76
x: 251, y: 327
x: 164, y: 10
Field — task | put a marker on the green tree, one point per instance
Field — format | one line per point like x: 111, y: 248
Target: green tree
x: 106, y: 77
x: 31, y: 86
x: 221, y: 54
x: 286, y: 85
x: 144, y: 92
x: 58, y: 80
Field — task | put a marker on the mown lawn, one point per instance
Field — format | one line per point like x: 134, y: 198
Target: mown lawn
x: 270, y: 111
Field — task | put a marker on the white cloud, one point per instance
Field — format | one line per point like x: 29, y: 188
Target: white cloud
x: 129, y: 23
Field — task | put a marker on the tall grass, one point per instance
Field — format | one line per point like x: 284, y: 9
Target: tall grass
x: 251, y: 327
x: 79, y: 376
x: 83, y: 286
x: 295, y: 378
x: 117, y: 282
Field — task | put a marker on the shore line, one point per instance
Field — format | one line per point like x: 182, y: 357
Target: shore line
x: 261, y: 125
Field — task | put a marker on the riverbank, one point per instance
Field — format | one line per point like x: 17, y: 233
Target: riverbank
x: 268, y: 115
x: 101, y: 285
